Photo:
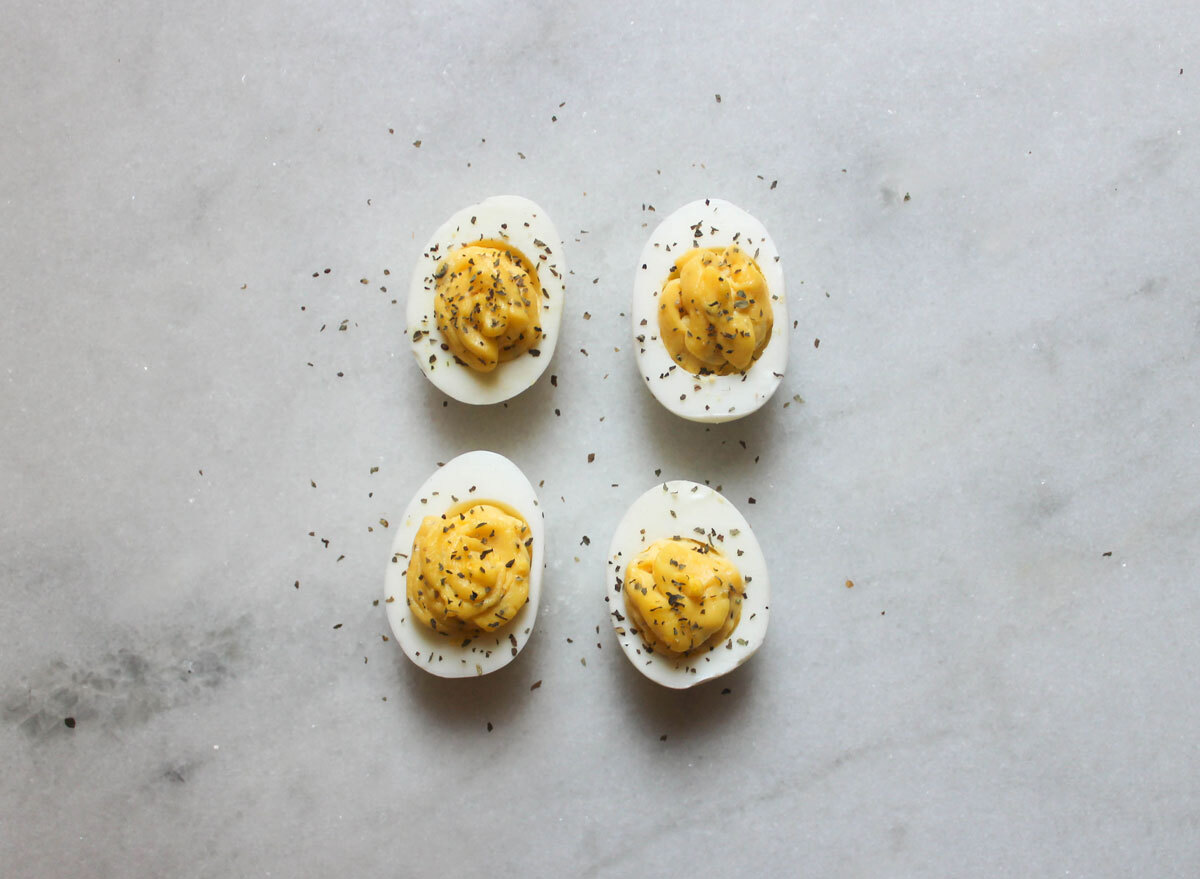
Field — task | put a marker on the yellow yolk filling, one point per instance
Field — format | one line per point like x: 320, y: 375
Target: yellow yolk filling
x: 486, y: 303
x: 682, y: 595
x: 714, y: 312
x: 469, y: 569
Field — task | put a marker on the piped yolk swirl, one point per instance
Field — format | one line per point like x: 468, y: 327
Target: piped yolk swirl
x: 469, y: 569
x: 682, y: 595
x: 486, y: 303
x: 714, y: 313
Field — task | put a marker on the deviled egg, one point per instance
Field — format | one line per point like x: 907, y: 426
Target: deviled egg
x: 687, y: 585
x: 486, y: 300
x: 710, y: 313
x: 465, y: 576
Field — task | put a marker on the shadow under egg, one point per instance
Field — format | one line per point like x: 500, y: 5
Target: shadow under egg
x: 464, y: 703
x: 713, y: 452
x: 696, y: 713
x: 504, y: 427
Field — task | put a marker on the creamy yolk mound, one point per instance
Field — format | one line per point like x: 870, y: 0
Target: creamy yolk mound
x: 486, y: 303
x: 682, y: 595
x: 469, y: 569
x: 714, y: 312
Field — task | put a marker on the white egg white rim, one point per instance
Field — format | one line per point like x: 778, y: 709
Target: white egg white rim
x: 696, y: 507
x: 712, y: 398
x: 447, y: 657
x: 540, y: 242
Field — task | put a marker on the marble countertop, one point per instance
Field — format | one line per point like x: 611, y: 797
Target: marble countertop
x: 989, y: 224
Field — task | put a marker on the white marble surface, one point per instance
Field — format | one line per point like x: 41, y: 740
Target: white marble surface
x: 1006, y: 390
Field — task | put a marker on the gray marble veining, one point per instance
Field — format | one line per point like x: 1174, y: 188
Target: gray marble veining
x: 989, y: 223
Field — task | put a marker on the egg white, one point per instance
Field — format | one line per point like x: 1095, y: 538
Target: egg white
x: 685, y: 509
x: 526, y: 226
x: 485, y: 476
x: 708, y: 222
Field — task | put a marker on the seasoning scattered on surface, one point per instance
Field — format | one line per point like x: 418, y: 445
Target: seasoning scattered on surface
x: 69, y: 722
x: 718, y: 97
x: 1107, y: 554
x: 816, y: 343
x: 536, y: 684
x: 338, y: 626
x: 726, y: 692
x: 591, y: 457
x: 907, y: 197
x: 752, y: 501
x: 663, y: 737
x: 490, y: 726
x: 417, y: 144
x: 849, y: 584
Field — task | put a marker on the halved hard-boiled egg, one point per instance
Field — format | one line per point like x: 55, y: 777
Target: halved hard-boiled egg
x: 486, y: 300
x: 687, y: 585
x: 465, y: 576
x: 710, y: 313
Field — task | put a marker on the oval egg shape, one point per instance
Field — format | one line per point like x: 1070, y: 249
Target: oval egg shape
x: 522, y: 231
x: 475, y: 478
x: 696, y: 514
x: 709, y: 224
